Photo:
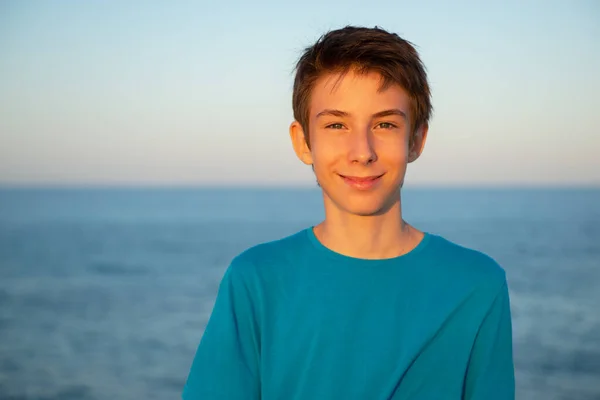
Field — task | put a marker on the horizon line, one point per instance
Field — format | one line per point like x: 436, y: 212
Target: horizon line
x: 272, y: 185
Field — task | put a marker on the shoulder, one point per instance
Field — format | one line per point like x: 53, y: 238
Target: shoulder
x: 468, y: 263
x: 265, y: 256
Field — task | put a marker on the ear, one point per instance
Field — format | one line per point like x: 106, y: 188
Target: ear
x: 299, y: 142
x: 417, y: 143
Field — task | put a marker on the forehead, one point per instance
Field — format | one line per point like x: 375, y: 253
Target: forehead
x: 355, y: 92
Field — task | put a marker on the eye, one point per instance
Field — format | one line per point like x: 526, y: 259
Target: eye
x: 335, y: 126
x: 386, y: 125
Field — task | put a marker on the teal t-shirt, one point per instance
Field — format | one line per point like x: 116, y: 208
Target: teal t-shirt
x: 294, y: 320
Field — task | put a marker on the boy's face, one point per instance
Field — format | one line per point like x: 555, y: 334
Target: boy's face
x: 359, y: 141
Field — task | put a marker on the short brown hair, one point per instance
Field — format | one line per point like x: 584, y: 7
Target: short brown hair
x: 364, y: 50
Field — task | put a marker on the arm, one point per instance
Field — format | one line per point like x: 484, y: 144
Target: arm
x: 226, y: 364
x: 490, y: 373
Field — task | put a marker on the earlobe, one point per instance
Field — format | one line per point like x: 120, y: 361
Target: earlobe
x: 299, y: 143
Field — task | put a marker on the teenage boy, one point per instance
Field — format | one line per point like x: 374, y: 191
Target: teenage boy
x: 362, y: 305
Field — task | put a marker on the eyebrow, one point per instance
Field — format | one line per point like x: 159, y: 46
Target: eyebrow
x: 385, y: 113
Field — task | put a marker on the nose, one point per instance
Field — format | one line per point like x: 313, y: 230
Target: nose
x: 362, y: 150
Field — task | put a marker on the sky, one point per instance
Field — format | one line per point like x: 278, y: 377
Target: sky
x: 199, y: 93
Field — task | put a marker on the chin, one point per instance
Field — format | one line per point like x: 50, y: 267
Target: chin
x: 363, y: 205
x: 367, y: 203
x: 365, y: 209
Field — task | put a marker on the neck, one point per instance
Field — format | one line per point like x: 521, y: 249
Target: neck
x: 380, y: 236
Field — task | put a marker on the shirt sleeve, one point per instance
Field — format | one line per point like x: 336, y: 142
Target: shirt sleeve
x: 226, y: 363
x: 490, y: 373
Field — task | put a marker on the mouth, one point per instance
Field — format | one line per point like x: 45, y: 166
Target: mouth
x: 361, y: 182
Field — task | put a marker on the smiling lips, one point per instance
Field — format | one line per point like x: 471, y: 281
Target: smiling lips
x: 361, y: 182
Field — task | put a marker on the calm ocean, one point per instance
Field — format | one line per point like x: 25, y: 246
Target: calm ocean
x: 104, y: 293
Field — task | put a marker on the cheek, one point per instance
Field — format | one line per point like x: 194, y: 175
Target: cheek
x: 325, y: 153
x: 393, y: 153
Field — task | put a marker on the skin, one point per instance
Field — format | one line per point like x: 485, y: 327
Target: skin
x: 353, y: 133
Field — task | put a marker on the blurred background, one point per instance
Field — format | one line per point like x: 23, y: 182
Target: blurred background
x: 144, y: 144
